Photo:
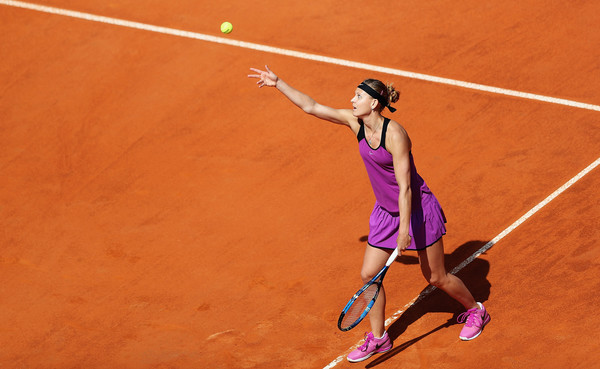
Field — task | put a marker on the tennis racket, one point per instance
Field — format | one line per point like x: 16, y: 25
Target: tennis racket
x: 359, y: 305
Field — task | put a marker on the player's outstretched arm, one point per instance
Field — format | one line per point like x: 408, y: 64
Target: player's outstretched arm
x: 302, y: 100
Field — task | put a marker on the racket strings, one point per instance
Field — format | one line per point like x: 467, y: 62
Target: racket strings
x: 359, y: 306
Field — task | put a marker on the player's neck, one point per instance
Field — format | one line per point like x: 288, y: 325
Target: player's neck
x: 373, y: 120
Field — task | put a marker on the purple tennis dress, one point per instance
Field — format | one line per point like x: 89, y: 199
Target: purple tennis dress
x: 427, y: 220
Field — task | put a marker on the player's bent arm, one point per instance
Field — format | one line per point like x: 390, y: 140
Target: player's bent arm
x: 399, y: 144
x: 310, y: 106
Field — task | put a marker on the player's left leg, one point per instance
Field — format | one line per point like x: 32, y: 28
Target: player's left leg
x: 432, y: 264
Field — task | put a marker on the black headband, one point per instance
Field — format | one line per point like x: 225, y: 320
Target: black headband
x: 374, y: 94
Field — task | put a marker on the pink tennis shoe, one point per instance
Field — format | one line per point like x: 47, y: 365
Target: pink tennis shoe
x: 475, y: 319
x: 371, y: 346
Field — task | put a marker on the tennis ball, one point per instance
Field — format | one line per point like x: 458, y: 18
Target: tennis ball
x: 226, y: 27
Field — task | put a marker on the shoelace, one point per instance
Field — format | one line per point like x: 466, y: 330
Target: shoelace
x: 368, y: 339
x: 470, y: 316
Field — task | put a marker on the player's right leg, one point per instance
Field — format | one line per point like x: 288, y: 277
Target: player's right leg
x: 378, y: 340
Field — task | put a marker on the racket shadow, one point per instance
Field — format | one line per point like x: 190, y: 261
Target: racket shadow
x: 473, y: 275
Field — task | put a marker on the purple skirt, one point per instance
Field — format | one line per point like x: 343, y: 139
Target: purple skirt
x: 427, y: 224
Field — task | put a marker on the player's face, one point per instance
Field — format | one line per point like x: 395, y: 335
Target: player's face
x: 361, y: 103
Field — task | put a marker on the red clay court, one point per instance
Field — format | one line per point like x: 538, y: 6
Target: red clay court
x: 158, y: 210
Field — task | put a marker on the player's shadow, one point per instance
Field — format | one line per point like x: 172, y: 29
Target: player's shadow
x: 473, y: 275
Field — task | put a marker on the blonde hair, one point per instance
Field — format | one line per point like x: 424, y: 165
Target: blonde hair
x: 388, y: 92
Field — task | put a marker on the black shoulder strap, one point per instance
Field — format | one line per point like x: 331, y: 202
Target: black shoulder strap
x: 386, y: 121
x: 361, y: 130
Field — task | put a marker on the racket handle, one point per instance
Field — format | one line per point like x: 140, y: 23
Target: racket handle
x: 392, y: 257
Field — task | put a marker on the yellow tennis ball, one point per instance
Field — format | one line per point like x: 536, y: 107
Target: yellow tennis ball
x: 226, y: 27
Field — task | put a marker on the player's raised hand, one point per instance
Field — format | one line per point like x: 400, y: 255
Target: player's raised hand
x: 265, y: 78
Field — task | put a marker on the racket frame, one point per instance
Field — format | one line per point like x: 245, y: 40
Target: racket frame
x: 378, y: 279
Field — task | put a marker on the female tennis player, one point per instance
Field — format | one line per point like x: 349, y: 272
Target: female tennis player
x: 406, y: 215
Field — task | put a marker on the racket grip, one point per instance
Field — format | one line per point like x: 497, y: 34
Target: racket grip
x: 392, y: 257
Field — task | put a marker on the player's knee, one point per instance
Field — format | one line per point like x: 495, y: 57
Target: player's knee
x: 437, y: 280
x: 367, y: 275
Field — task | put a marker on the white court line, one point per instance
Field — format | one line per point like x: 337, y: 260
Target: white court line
x: 486, y: 247
x: 298, y: 54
